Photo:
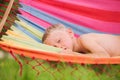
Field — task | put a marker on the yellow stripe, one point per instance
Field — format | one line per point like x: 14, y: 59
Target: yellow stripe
x: 36, y: 32
x: 18, y: 32
x: 12, y: 41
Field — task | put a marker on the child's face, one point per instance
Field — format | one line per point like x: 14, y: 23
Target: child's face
x: 61, y: 39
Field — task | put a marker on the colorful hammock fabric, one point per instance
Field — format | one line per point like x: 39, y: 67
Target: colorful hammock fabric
x: 82, y: 16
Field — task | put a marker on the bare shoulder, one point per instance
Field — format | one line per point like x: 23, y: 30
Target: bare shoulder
x: 88, y: 39
x: 98, y: 36
x: 88, y: 35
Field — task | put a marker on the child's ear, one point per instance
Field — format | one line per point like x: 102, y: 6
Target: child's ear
x: 69, y: 30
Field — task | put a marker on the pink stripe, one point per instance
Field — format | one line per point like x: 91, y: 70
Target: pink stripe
x: 111, y: 27
x: 78, y: 19
x: 35, y: 19
x: 112, y: 5
x: 103, y: 15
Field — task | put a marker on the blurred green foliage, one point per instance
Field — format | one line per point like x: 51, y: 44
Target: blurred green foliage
x: 9, y: 70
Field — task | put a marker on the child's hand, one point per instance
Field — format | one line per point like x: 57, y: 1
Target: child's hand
x: 68, y: 51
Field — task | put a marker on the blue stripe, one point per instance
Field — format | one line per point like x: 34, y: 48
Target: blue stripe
x: 26, y: 32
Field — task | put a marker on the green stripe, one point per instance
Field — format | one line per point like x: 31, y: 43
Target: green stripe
x: 31, y: 45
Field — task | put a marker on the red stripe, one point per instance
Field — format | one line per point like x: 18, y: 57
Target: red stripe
x: 104, y: 15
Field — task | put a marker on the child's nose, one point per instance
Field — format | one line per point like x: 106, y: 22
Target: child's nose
x: 63, y: 47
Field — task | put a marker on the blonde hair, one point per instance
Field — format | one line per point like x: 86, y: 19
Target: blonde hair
x: 50, y: 29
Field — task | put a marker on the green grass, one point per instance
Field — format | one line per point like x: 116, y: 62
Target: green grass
x: 9, y: 70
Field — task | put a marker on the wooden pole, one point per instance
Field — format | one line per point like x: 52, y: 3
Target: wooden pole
x: 2, y: 23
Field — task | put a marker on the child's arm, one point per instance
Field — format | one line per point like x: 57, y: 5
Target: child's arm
x: 95, y: 55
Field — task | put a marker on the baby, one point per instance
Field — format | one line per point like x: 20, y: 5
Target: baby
x: 89, y: 45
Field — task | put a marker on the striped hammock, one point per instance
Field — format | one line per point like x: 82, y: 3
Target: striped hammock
x: 83, y: 16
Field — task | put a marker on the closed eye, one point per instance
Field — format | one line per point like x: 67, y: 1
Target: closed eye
x: 58, y: 41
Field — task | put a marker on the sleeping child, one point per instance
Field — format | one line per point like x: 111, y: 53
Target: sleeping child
x: 89, y: 45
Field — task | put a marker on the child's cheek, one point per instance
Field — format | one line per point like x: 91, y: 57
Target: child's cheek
x: 68, y: 44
